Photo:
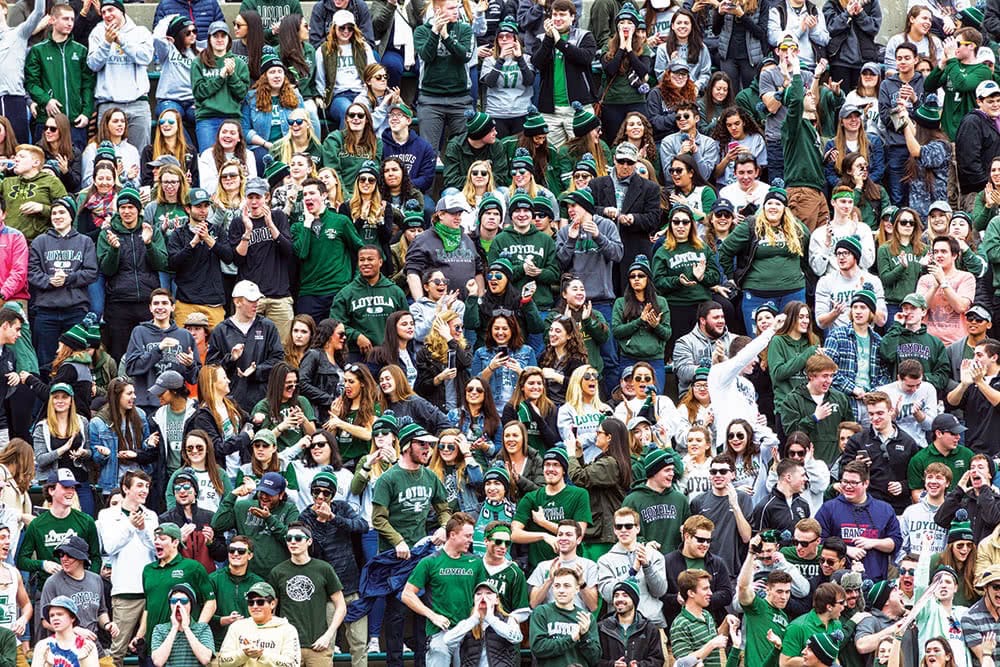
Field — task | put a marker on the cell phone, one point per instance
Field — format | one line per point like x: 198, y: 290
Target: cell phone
x: 451, y: 358
x: 503, y: 350
x: 732, y: 145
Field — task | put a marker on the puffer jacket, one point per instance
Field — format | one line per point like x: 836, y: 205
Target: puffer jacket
x: 132, y: 268
x: 332, y: 541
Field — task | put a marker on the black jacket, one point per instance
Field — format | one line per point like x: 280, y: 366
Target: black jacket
x: 262, y: 346
x: 320, y: 382
x: 428, y: 367
x: 200, y: 518
x: 643, y: 643
x: 723, y: 587
x: 991, y: 20
x: 886, y: 466
x: 984, y: 510
x: 642, y: 201
x: 203, y: 419
x: 268, y: 261
x: 977, y: 142
x: 578, y: 54
x: 776, y: 513
x: 197, y: 270
x: 421, y: 411
x: 546, y: 428
x: 332, y: 541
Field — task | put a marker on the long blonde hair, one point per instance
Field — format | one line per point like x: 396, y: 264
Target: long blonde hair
x: 789, y: 227
x: 52, y: 421
x: 435, y: 342
x: 436, y: 464
x: 374, y: 209
x: 379, y: 467
x: 339, y: 198
x: 284, y: 145
x: 180, y: 151
x: 574, y: 392
x: 221, y: 197
x: 209, y: 397
x: 469, y: 190
x: 182, y: 188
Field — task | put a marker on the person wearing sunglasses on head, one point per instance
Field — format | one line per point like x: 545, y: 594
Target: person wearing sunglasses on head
x: 263, y: 638
x: 688, y: 140
x: 199, y: 542
x: 230, y: 583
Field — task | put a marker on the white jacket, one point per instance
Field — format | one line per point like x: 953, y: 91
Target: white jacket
x: 121, y: 541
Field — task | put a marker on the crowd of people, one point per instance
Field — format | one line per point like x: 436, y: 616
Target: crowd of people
x: 462, y: 333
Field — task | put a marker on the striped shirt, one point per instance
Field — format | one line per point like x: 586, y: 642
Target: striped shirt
x: 688, y: 634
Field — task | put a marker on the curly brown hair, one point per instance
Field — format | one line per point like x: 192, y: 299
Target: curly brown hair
x: 287, y: 97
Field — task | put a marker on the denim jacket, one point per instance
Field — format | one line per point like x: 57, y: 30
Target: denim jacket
x: 111, y: 469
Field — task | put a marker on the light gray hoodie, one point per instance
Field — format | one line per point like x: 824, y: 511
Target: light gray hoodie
x: 121, y: 67
x: 617, y: 565
x: 592, y: 258
x: 14, y: 50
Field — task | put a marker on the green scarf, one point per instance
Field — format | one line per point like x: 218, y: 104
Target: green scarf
x: 450, y: 237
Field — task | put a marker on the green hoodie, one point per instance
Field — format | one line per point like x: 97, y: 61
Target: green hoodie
x: 669, y: 265
x: 786, y: 359
x: 898, y: 280
x: 347, y: 165
x: 899, y: 343
x: 442, y: 70
x: 215, y: 96
x: 230, y: 596
x: 327, y: 250
x: 803, y: 160
x: 43, y: 188
x: 660, y: 515
x: 796, y: 413
x: 268, y: 534
x: 595, y: 332
x: 552, y: 644
x: 517, y: 247
x: 636, y: 338
x: 959, y: 82
x: 60, y: 71
x: 364, y: 308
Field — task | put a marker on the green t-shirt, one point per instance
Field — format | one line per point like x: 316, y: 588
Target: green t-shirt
x: 761, y: 617
x: 808, y: 568
x: 449, y: 582
x: 351, y: 447
x: 957, y: 461
x: 303, y: 591
x: 157, y: 580
x: 570, y: 503
x: 800, y: 630
x: 291, y: 436
x: 560, y: 94
x: 408, y: 495
x: 510, y: 582
x: 47, y: 532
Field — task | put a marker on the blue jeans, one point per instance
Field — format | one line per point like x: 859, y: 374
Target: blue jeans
x: 79, y: 137
x: 659, y: 369
x: 392, y: 61
x: 168, y: 282
x: 316, y: 305
x: 338, y: 107
x: 49, y: 324
x: 775, y: 161
x: 185, y: 109
x: 95, y: 291
x: 369, y: 547
x: 537, y: 340
x: 896, y: 158
x: 751, y: 302
x: 609, y: 351
x: 206, y: 130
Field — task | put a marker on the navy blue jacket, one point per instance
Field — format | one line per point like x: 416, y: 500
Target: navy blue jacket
x: 385, y: 575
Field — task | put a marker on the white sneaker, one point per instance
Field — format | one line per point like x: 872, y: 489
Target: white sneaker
x: 373, y: 646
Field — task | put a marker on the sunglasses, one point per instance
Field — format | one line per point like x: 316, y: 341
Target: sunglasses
x: 168, y: 121
x: 352, y: 368
x: 796, y: 454
x: 238, y: 551
x: 625, y: 162
x: 684, y: 116
x: 636, y: 276
x: 296, y: 537
x: 195, y: 448
x: 680, y: 221
x: 322, y: 493
x: 295, y: 122
x: 908, y: 571
x: 291, y: 385
x: 479, y: 172
x: 581, y: 176
x: 317, y: 443
x: 803, y: 543
x: 703, y: 540
x: 183, y: 487
x: 737, y: 436
x: 261, y: 445
x: 676, y: 170
x: 906, y: 221
x: 446, y: 448
x: 590, y: 375
x: 500, y: 543
x: 258, y: 602
x: 51, y: 128
x: 829, y: 561
x: 380, y: 77
x: 974, y: 318
x: 520, y: 171
x: 174, y: 601
x: 230, y: 174
x: 356, y: 115
x: 440, y: 282
x: 494, y: 275
x: 963, y: 42
x: 366, y: 179
x: 624, y: 526
x: 474, y: 390
x: 719, y: 471
x: 347, y: 27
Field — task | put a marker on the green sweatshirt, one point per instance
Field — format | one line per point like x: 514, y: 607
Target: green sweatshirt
x: 991, y: 250
x: 635, y: 337
x: 959, y: 82
x: 552, y: 643
x: 900, y: 343
x: 868, y: 214
x: 595, y: 331
x: 268, y: 534
x: 60, y: 71
x: 796, y: 412
x: 364, y: 308
x: 216, y: 96
x: 981, y: 213
x: 803, y: 160
x: 898, y: 280
x: 442, y: 71
x: 327, y: 251
x: 660, y: 514
x: 669, y: 265
x: 46, y: 532
x: 773, y: 265
x: 347, y: 165
x: 230, y: 596
x: 43, y: 188
x: 271, y: 12
x: 786, y: 359
x: 552, y: 180
x: 517, y: 247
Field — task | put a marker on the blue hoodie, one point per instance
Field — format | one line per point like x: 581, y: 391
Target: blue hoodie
x: 144, y: 360
x: 417, y: 154
x: 873, y: 518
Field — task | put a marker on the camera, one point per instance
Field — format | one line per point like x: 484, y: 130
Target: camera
x: 638, y: 82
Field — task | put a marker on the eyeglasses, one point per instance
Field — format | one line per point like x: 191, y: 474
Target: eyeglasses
x: 590, y: 375
x: 479, y: 172
x: 168, y: 121
x: 295, y: 122
x: 238, y: 551
x: 322, y: 493
x: 183, y: 487
x: 907, y: 571
x: 845, y: 482
x: 51, y: 128
x: 296, y: 537
x: 366, y: 179
x: 703, y: 540
x: 474, y: 390
x: 737, y: 436
x: 195, y: 448
x: 230, y: 174
x: 624, y: 526
x: 171, y: 182
x: 719, y: 471
x: 494, y: 275
x: 356, y: 115
x: 174, y: 601
x: 258, y: 602
x: 676, y: 170
x: 500, y: 542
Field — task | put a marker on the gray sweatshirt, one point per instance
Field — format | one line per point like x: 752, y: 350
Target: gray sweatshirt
x: 592, y: 258
x: 508, y: 85
x: 175, y: 67
x: 121, y: 68
x: 617, y: 565
x: 14, y: 50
